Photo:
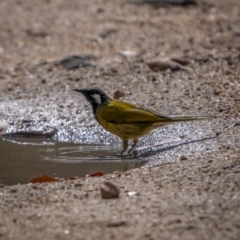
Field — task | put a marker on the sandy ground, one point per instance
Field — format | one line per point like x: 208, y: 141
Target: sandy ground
x: 189, y: 191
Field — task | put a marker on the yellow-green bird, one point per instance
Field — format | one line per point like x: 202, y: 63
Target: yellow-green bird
x: 127, y: 121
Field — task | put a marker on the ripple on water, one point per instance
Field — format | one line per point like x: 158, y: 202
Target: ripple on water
x: 22, y: 159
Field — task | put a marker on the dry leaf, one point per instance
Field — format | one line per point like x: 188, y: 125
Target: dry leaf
x: 37, y: 134
x: 163, y: 65
x: 72, y: 178
x: 96, y: 174
x: 76, y: 61
x: 43, y: 179
x: 181, y: 61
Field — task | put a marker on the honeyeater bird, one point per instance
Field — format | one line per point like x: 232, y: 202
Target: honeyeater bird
x: 126, y: 120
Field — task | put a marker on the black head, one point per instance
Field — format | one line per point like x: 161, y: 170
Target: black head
x: 95, y: 96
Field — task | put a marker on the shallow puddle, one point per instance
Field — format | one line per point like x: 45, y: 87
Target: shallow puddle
x: 24, y: 158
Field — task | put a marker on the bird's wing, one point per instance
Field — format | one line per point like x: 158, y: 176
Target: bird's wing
x: 121, y: 112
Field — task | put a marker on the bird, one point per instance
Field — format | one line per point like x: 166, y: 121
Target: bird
x: 126, y: 120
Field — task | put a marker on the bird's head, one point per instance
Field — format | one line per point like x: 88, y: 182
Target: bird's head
x: 95, y: 96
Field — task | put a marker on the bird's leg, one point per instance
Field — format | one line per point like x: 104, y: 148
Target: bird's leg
x: 125, y: 146
x: 133, y: 146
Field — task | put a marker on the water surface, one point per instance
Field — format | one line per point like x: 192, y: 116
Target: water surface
x: 24, y: 158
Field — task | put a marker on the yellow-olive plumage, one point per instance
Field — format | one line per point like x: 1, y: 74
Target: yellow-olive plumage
x: 127, y: 121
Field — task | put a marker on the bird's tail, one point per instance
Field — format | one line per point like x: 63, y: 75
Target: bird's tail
x: 189, y: 118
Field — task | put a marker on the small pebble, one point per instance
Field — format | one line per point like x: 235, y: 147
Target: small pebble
x: 183, y: 158
x: 118, y: 94
x: 131, y: 193
x: 109, y: 190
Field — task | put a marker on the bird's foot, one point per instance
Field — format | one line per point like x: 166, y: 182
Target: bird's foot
x: 132, y: 150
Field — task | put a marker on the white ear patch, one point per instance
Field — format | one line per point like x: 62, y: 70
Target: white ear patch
x: 97, y: 98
